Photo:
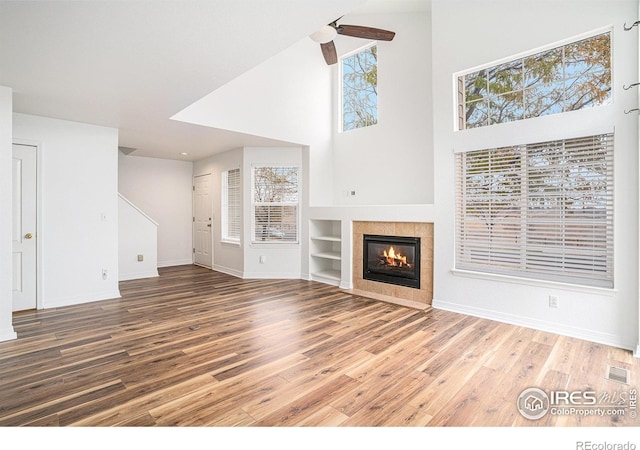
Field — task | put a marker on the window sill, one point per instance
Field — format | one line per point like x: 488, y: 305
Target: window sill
x: 230, y: 243
x: 536, y: 283
x: 358, y: 128
x: 275, y: 244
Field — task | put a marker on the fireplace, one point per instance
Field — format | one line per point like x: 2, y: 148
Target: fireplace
x: 391, y: 259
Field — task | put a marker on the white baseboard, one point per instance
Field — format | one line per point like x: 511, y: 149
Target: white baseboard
x: 8, y: 334
x: 77, y: 300
x: 256, y: 275
x: 138, y: 275
x: 175, y: 262
x: 228, y: 271
x: 271, y: 276
x: 575, y: 332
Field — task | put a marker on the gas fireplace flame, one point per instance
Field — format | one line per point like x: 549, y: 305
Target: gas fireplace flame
x: 393, y: 259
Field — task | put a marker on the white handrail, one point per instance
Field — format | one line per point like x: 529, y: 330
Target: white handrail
x: 138, y: 209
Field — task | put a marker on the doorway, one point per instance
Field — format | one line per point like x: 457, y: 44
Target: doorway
x: 202, y: 221
x: 24, y: 227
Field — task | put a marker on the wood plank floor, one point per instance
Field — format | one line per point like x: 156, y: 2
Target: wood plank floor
x: 195, y: 347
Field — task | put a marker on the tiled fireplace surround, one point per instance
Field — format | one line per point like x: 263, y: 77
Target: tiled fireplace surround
x: 416, y: 298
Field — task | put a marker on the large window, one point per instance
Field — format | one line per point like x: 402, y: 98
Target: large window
x: 275, y: 203
x: 231, y: 206
x: 565, y: 78
x: 542, y: 211
x: 360, y: 89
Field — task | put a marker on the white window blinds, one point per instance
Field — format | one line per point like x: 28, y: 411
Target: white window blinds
x: 231, y: 205
x: 542, y: 211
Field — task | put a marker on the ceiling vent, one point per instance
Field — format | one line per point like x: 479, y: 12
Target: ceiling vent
x: 127, y: 150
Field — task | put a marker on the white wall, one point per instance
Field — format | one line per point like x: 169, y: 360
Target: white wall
x: 289, y: 97
x: 79, y: 208
x: 285, y: 98
x: 468, y: 33
x: 280, y: 260
x: 227, y: 257
x: 162, y: 189
x: 390, y: 163
x: 6, y: 288
x: 137, y: 235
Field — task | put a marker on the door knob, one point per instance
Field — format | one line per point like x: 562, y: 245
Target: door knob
x: 209, y: 225
x: 28, y: 236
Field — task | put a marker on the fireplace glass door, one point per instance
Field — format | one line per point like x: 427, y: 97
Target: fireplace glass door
x: 392, y: 259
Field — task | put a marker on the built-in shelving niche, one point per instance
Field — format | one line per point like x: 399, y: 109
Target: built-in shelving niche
x: 325, y: 250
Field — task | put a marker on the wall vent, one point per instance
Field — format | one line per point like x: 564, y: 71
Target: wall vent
x: 617, y: 374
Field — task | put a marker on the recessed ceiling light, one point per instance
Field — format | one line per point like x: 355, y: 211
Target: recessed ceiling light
x: 184, y: 153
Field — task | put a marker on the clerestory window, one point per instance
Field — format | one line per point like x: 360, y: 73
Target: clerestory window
x: 564, y: 78
x: 359, y: 80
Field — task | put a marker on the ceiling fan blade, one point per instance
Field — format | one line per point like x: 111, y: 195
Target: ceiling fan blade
x: 329, y: 52
x: 365, y: 32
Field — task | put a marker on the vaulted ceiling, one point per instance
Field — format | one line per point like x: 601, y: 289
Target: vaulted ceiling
x: 133, y: 64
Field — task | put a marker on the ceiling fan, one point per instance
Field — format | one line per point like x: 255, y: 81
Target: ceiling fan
x: 325, y: 35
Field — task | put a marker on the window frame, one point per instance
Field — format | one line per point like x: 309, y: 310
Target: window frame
x: 226, y: 204
x: 513, y: 245
x: 458, y: 119
x: 341, y: 88
x: 296, y: 204
x: 591, y: 121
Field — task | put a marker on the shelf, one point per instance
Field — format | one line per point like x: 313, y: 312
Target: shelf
x: 328, y: 255
x: 325, y: 250
x: 327, y: 238
x: 329, y: 275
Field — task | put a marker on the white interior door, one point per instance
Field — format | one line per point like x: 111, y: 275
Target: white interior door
x: 202, y: 221
x: 24, y: 227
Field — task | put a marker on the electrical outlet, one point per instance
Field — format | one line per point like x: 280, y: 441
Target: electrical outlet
x: 262, y: 259
x: 554, y: 302
x: 140, y: 258
x: 104, y: 274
